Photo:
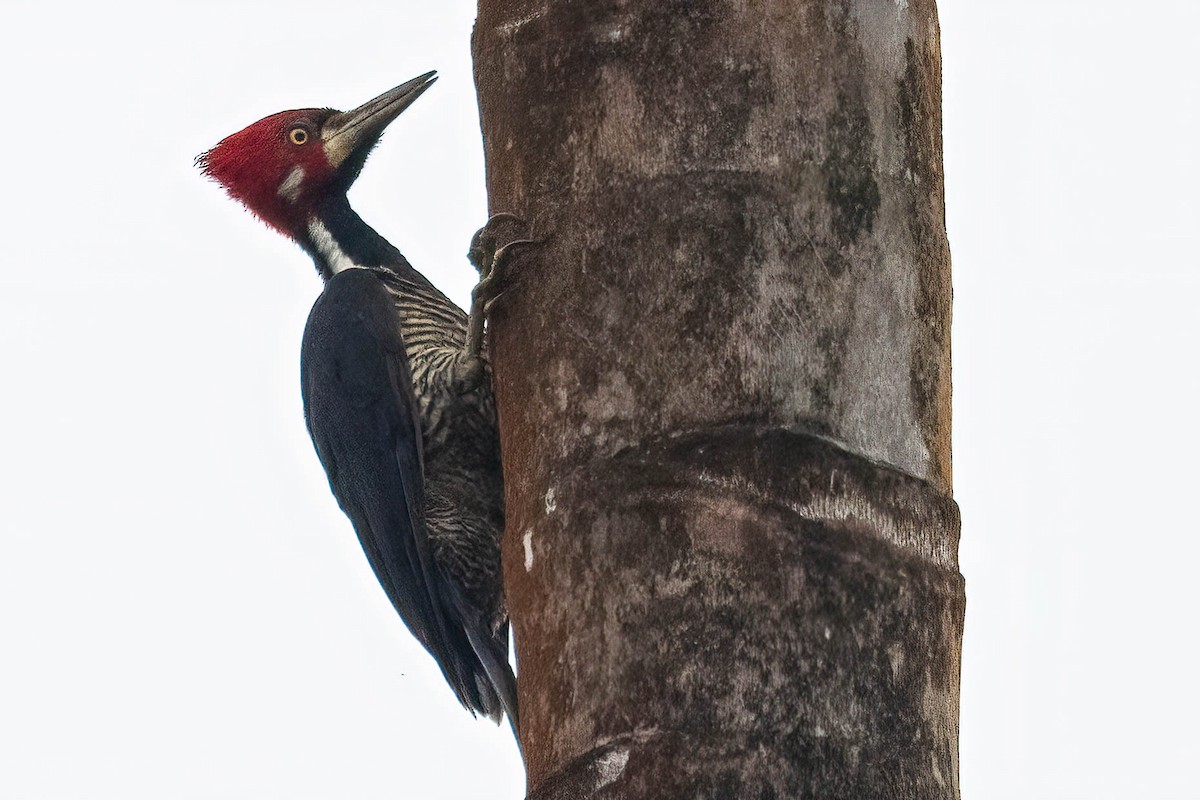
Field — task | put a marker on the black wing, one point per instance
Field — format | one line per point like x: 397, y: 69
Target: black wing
x: 363, y: 418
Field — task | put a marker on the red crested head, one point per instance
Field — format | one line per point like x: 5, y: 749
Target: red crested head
x: 283, y: 167
x: 276, y: 167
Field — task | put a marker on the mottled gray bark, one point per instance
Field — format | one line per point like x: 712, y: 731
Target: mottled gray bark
x: 731, y: 554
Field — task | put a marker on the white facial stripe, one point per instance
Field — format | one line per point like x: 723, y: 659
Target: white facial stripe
x: 290, y: 188
x: 333, y: 254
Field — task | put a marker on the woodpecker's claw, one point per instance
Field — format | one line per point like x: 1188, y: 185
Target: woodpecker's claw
x: 491, y: 261
x: 483, y: 248
x: 503, y: 253
x: 490, y: 258
x: 487, y: 307
x: 489, y: 288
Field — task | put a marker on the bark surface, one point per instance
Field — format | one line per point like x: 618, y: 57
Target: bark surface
x: 723, y: 387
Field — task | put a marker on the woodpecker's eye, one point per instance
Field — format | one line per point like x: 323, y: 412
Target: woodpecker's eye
x: 298, y: 136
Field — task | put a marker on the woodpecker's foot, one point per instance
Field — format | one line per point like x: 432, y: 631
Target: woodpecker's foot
x: 491, y: 261
x: 483, y: 244
x: 490, y: 287
x: 489, y: 257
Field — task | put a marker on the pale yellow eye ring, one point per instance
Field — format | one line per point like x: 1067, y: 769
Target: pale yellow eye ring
x: 298, y: 136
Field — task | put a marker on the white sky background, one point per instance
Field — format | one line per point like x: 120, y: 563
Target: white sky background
x: 184, y: 612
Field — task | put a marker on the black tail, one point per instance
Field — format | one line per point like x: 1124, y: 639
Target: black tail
x: 485, y: 684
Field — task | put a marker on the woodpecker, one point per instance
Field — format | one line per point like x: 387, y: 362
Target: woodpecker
x: 396, y: 387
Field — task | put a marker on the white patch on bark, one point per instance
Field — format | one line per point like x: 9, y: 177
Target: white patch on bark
x: 551, y: 503
x: 509, y: 28
x: 937, y: 772
x: 610, y: 33
x: 902, y: 5
x: 896, y: 657
x: 855, y: 507
x: 610, y: 766
x: 527, y: 541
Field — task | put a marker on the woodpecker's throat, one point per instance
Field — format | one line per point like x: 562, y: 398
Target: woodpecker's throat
x: 338, y: 240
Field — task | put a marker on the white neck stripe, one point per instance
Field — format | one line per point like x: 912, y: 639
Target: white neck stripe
x: 328, y: 248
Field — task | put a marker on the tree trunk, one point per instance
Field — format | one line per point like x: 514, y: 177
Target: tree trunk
x: 724, y: 396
